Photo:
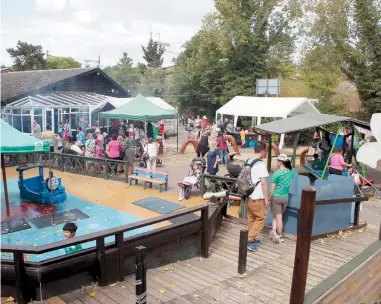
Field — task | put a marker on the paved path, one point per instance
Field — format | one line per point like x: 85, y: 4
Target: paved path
x: 199, y: 281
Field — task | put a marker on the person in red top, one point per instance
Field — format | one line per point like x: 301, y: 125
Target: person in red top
x: 203, y: 122
x: 337, y: 163
x: 222, y: 147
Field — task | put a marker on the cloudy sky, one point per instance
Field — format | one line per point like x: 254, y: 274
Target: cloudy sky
x: 83, y: 29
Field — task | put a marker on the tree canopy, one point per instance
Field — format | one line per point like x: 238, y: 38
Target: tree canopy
x: 153, y: 54
x: 27, y: 56
x: 62, y: 63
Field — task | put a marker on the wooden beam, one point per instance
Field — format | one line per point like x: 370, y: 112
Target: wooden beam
x: 205, y: 233
x: 303, y: 244
x: 5, y: 185
x: 101, y: 254
x: 242, y: 254
x: 119, y: 242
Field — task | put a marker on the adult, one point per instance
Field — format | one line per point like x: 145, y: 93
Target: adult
x: 151, y: 152
x: 280, y: 187
x: 197, y: 128
x: 113, y: 150
x: 203, y: 145
x: 36, y: 129
x: 58, y: 143
x: 324, y: 146
x: 212, y: 160
x: 316, y: 139
x: 203, y: 122
x: 222, y: 147
x: 89, y: 149
x: 257, y: 201
x: 129, y: 155
x: 81, y: 136
x: 61, y: 130
x: 48, y: 135
x: 67, y: 128
x: 337, y: 163
x: 122, y: 148
x: 190, y: 126
x: 131, y: 131
x: 230, y: 127
x: 99, y: 136
x: 84, y: 122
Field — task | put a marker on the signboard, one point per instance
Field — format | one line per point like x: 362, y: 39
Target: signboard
x: 268, y: 87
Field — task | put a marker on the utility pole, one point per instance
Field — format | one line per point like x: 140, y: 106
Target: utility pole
x: 97, y: 61
x: 166, y: 45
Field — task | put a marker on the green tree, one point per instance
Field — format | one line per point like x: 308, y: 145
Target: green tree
x: 124, y: 73
x: 62, y: 63
x: 27, y: 57
x: 152, y: 83
x: 153, y: 54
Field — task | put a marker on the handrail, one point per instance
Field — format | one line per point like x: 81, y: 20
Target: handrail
x: 96, y: 235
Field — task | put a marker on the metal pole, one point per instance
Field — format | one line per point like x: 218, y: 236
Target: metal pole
x: 140, y: 276
x: 5, y: 185
x: 177, y: 132
x: 294, y: 150
x: 303, y: 244
x: 269, y: 155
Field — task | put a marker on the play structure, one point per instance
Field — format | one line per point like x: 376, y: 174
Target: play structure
x: 194, y: 143
x: 38, y: 189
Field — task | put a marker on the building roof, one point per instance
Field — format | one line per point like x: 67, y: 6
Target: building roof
x: 267, y: 106
x: 23, y: 83
x: 58, y: 100
x: 306, y: 121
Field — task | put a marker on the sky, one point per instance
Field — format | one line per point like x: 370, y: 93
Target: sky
x: 84, y: 29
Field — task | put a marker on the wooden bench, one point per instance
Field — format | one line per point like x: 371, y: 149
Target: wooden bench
x: 150, y: 177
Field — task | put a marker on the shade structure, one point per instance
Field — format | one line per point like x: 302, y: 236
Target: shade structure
x: 306, y: 121
x: 267, y: 106
x: 14, y: 142
x: 140, y: 108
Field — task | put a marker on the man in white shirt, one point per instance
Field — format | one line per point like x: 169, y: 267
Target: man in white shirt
x: 257, y: 202
x: 36, y: 129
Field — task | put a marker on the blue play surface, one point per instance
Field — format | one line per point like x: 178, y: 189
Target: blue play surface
x: 158, y: 205
x: 99, y: 218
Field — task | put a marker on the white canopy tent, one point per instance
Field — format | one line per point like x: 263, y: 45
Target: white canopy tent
x: 258, y: 107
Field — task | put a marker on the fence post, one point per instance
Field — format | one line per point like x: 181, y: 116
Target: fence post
x: 379, y: 236
x: 101, y: 254
x: 356, y: 217
x: 119, y: 241
x: 140, y: 276
x: 242, y: 257
x: 125, y: 172
x: 205, y: 232
x: 21, y: 295
x: 62, y: 165
x: 303, y: 244
x: 106, y: 168
x: 202, y: 184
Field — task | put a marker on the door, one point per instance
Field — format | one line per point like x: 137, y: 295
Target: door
x: 49, y: 119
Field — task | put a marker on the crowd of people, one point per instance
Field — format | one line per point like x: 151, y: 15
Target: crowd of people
x: 124, y: 142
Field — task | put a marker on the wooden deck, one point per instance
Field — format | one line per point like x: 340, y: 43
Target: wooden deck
x: 267, y: 280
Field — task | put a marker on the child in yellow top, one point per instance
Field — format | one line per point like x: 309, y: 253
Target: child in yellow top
x: 243, y: 137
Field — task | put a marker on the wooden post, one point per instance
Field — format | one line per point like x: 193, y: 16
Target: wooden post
x: 205, y: 233
x: 352, y: 145
x: 140, y: 276
x: 62, y: 164
x: 269, y: 155
x: 303, y: 244
x: 356, y: 217
x: 106, y: 168
x: 379, y: 235
x: 119, y: 241
x: 5, y: 185
x: 242, y: 258
x: 18, y: 258
x: 202, y: 184
x: 101, y: 254
x: 125, y: 172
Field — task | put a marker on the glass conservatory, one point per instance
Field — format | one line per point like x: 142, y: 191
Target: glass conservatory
x: 72, y: 108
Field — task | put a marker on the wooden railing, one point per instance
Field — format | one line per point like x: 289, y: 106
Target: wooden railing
x: 96, y: 167
x: 216, y: 183
x: 19, y: 251
x: 304, y: 237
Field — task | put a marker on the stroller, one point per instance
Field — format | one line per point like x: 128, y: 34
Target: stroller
x: 143, y: 162
x: 196, y: 168
x: 362, y: 182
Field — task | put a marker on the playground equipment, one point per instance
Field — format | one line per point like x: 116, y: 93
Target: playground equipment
x: 229, y: 138
x: 39, y: 190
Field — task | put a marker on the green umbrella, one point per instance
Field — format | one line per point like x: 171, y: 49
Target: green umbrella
x: 14, y: 142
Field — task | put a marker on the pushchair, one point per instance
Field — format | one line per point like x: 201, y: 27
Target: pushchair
x: 143, y: 162
x: 196, y: 168
x: 361, y: 182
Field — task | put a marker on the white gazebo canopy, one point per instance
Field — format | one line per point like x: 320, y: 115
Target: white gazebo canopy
x: 258, y: 107
x: 118, y: 102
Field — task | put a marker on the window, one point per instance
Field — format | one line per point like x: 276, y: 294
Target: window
x: 38, y: 119
x: 25, y: 112
x: 17, y: 122
x: 37, y: 111
x: 16, y: 111
x: 26, y: 124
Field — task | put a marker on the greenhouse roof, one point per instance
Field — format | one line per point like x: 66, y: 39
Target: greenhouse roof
x: 58, y: 100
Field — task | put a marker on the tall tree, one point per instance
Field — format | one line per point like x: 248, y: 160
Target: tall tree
x: 124, y: 73
x: 62, y: 63
x: 153, y: 54
x: 27, y: 57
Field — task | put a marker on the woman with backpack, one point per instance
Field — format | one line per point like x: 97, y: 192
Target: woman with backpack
x: 280, y: 187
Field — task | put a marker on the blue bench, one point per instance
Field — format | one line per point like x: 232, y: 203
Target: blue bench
x: 150, y: 177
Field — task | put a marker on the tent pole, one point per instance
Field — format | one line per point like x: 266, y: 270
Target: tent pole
x: 108, y: 122
x: 5, y: 185
x: 177, y: 133
x: 296, y: 140
x: 269, y: 155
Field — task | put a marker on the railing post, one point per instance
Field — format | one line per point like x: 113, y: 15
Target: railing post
x: 379, y: 236
x: 303, y: 244
x: 356, y: 217
x: 62, y: 165
x: 140, y: 276
x: 202, y: 184
x: 106, y: 168
x: 242, y: 258
x: 119, y: 241
x: 101, y: 254
x: 205, y: 233
x: 125, y: 172
x: 21, y: 296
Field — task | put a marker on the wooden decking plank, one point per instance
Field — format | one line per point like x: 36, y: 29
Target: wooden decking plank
x: 181, y: 300
x: 170, y: 286
x: 190, y: 275
x: 225, y: 259
x: 152, y: 294
x: 263, y: 277
x: 225, y: 292
x: 220, y: 276
x: 194, y: 300
x: 220, y: 296
x: 156, y: 287
x: 52, y: 300
x: 217, y: 269
x: 174, y: 276
x: 69, y: 298
x: 117, y: 297
x: 84, y: 297
x: 217, y: 265
x: 178, y: 282
x: 99, y: 295
x: 124, y: 289
x: 198, y: 273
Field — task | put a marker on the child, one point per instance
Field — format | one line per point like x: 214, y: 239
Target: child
x: 69, y: 230
x: 243, y: 137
